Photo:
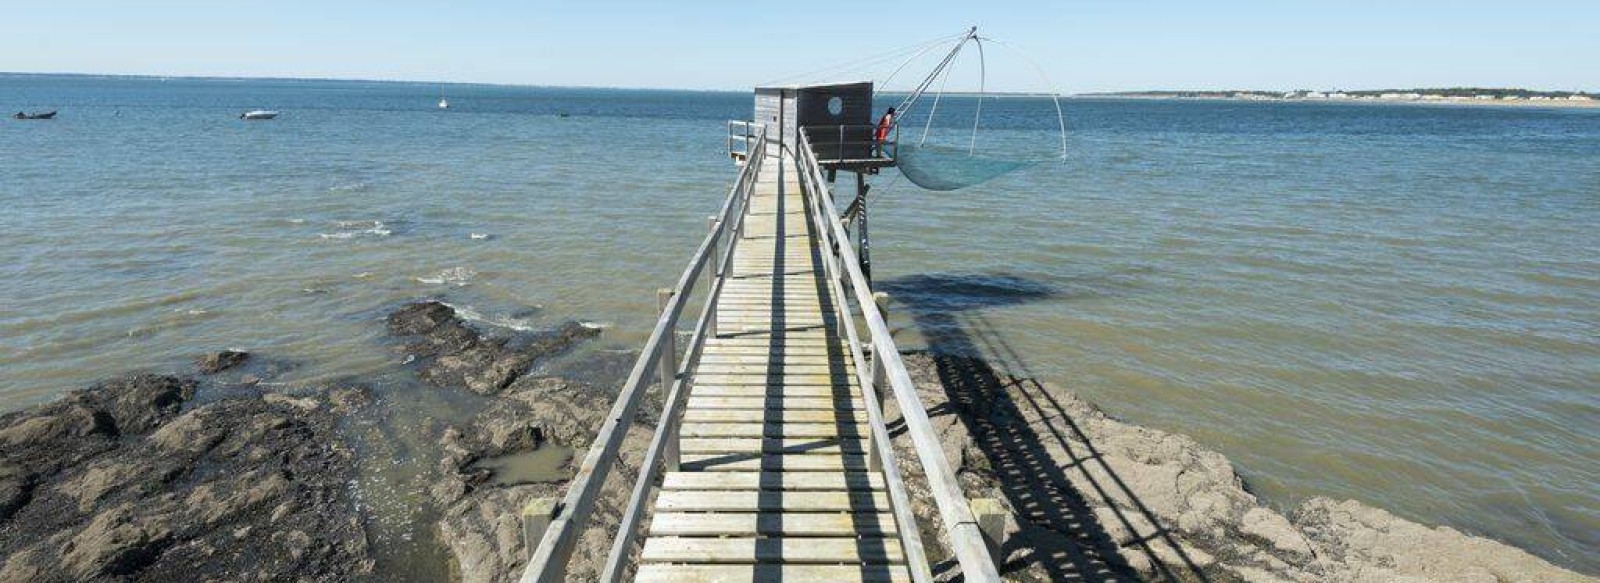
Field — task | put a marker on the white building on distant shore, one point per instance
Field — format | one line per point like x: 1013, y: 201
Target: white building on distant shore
x: 1579, y: 98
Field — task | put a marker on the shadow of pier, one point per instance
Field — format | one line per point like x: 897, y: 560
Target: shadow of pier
x: 1023, y: 432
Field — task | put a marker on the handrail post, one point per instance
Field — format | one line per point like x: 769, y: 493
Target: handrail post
x: 713, y: 274
x: 668, y: 371
x: 880, y: 373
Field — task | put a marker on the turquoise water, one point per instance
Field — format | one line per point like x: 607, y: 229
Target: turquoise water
x: 1398, y: 304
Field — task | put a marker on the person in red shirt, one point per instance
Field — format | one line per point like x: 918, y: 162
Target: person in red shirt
x: 885, y: 124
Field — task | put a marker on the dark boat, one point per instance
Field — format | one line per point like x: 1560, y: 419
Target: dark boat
x: 45, y: 115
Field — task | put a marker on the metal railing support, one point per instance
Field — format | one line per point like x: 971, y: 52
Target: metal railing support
x: 668, y: 370
x: 536, y: 515
x: 992, y: 523
x: 713, y: 275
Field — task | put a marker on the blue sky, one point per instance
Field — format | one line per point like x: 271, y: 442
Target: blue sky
x: 1088, y: 45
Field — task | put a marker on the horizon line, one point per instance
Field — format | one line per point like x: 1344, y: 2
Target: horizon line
x: 1095, y: 93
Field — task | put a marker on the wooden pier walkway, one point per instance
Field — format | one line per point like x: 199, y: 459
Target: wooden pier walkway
x: 773, y: 482
x: 772, y: 460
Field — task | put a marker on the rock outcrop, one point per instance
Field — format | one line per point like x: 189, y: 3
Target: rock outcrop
x: 450, y: 353
x: 1094, y: 498
x: 215, y: 362
x: 481, y: 519
x: 121, y: 482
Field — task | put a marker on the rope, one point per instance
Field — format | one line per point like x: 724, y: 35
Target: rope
x: 983, y: 77
x: 935, y: 109
x: 1055, y: 93
x: 861, y: 63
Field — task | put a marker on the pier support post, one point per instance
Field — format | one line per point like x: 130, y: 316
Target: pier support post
x: 864, y: 249
x: 991, y: 516
x: 880, y: 374
x: 667, y: 370
x: 536, y: 517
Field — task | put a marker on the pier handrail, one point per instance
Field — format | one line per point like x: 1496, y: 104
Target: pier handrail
x: 837, y: 143
x: 741, y: 137
x: 549, y: 561
x: 960, y: 525
x: 882, y: 456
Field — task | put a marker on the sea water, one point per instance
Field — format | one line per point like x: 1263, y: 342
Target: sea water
x: 1396, y: 304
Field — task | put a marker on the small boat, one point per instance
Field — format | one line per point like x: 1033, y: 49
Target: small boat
x: 444, y: 103
x: 258, y: 114
x: 45, y: 115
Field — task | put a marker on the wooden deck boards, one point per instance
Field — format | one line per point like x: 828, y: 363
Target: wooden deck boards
x: 773, y: 482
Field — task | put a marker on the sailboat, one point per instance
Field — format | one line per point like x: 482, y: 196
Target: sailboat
x: 443, y: 103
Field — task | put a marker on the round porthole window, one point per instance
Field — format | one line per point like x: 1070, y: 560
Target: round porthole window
x: 836, y: 106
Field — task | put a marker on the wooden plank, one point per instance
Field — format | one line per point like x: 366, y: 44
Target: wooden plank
x: 870, y: 550
x: 773, y: 462
x: 658, y: 573
x: 770, y: 501
x: 775, y: 370
x: 834, y: 445
x: 758, y: 360
x: 784, y: 328
x: 775, y: 416
x: 788, y: 481
x: 772, y: 430
x: 783, y: 402
x: 781, y: 346
x: 765, y: 313
x: 778, y: 391
x: 767, y: 366
x: 764, y: 346
x: 840, y: 379
x: 843, y: 524
x: 790, y: 331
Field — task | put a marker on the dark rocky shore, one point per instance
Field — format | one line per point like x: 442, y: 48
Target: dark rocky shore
x: 211, y: 476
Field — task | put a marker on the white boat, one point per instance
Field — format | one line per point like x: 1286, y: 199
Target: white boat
x: 258, y: 114
x: 444, y: 103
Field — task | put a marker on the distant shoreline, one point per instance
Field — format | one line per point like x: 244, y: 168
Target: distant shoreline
x: 1405, y: 100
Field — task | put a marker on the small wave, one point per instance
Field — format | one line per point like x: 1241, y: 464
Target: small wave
x: 376, y: 228
x: 496, y: 320
x: 457, y: 276
x: 478, y: 236
x: 352, y: 187
x: 595, y: 325
x: 362, y: 275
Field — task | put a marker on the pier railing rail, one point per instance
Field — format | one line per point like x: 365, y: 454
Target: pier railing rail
x: 657, y: 361
x: 741, y: 137
x: 850, y: 142
x: 850, y: 288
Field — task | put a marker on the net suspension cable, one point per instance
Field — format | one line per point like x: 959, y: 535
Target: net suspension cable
x: 936, y: 167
